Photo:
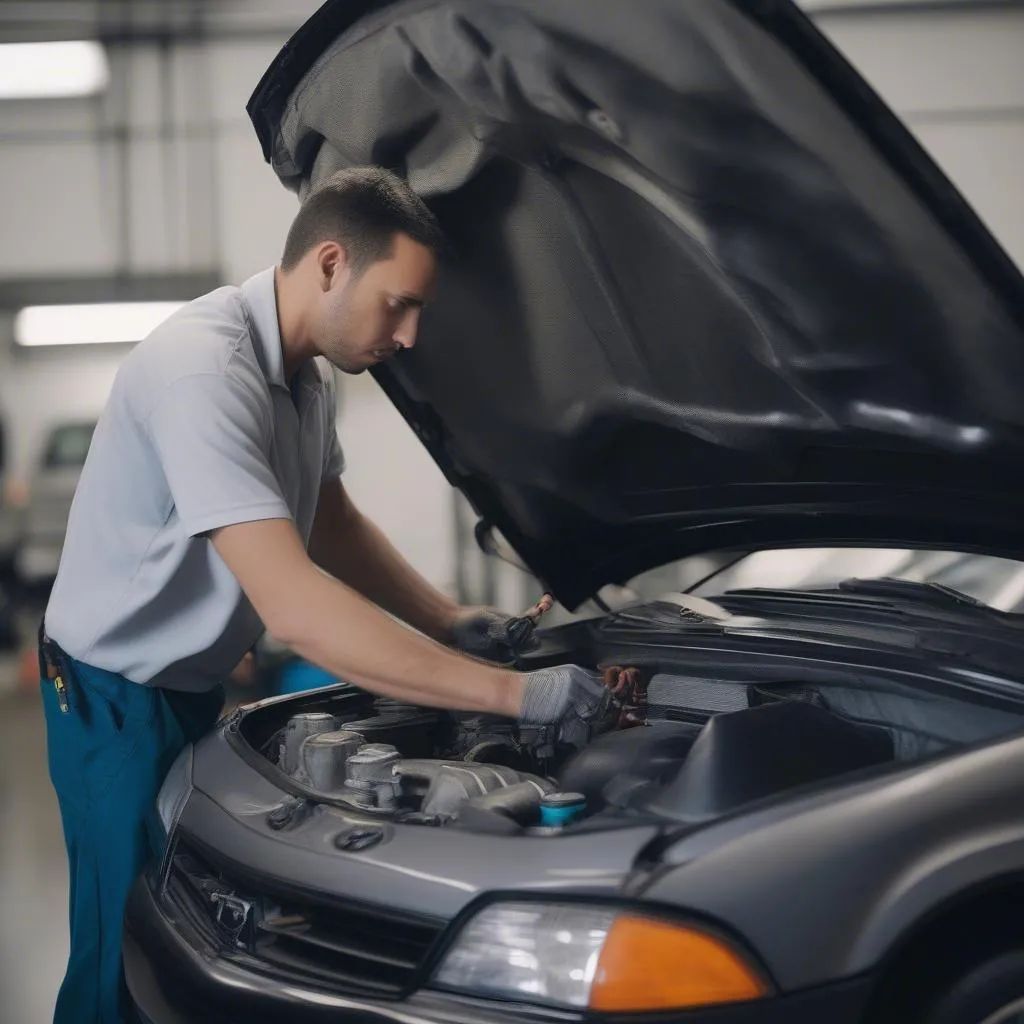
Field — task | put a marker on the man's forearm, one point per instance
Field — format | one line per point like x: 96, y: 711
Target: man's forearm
x: 360, y: 555
x: 329, y: 624
x: 334, y: 627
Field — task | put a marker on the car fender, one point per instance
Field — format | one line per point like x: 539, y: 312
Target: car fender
x: 823, y: 885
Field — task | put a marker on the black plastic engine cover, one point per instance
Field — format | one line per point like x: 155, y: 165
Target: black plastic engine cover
x: 748, y: 755
x: 643, y: 753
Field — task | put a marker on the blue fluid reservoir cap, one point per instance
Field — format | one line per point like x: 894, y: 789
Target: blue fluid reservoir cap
x: 561, y: 808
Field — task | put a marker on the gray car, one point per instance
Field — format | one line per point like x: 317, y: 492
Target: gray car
x: 51, y: 492
x: 706, y: 299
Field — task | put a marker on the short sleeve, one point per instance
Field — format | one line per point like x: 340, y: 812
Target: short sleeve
x: 209, y: 432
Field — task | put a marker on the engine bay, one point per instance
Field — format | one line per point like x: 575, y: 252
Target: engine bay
x: 698, y: 723
x: 670, y: 746
x: 420, y: 766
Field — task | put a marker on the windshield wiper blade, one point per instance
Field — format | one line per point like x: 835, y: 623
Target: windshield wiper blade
x: 766, y: 598
x: 938, y: 594
x: 873, y: 601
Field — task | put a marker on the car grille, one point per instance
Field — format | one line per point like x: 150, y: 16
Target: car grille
x: 346, y: 947
x: 358, y: 949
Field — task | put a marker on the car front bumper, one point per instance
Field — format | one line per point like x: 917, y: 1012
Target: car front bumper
x: 174, y: 979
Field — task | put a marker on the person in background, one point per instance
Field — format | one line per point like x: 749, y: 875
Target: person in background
x: 210, y: 508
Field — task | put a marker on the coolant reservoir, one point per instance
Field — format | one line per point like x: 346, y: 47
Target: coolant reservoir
x: 370, y: 775
x: 558, y: 809
x: 325, y: 755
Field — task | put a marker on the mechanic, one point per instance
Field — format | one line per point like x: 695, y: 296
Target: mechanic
x: 211, y: 507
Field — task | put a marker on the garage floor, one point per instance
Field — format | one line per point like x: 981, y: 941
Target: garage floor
x: 33, y: 869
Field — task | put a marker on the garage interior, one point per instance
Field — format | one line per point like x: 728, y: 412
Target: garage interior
x: 152, y: 188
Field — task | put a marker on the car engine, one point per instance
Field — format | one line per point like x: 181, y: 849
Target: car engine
x: 681, y: 738
x: 421, y: 766
x: 483, y: 773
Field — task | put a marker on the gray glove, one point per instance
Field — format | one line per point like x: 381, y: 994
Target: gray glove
x: 566, y: 695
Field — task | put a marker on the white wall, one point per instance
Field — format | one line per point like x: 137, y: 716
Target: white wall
x: 391, y: 478
x: 206, y: 198
x: 957, y: 80
x: 203, y: 200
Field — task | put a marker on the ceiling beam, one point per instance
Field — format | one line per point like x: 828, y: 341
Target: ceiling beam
x: 844, y: 8
x: 15, y: 293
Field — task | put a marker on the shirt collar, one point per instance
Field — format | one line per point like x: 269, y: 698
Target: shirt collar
x: 261, y: 299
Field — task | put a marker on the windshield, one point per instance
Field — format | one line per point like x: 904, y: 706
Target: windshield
x: 68, y: 446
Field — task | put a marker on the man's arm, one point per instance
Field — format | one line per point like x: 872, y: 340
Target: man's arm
x: 354, y: 550
x: 327, y: 623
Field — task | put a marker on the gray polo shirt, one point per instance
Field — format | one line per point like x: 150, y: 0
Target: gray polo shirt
x: 200, y: 431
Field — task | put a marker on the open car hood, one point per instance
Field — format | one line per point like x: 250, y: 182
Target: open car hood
x: 705, y: 290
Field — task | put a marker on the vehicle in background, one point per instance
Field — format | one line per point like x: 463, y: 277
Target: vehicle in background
x: 9, y: 530
x: 10, y: 520
x: 51, y: 491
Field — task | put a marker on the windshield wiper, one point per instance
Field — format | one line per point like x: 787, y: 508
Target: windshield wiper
x: 938, y: 594
x: 869, y: 595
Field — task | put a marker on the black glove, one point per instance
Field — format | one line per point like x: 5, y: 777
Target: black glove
x: 493, y: 635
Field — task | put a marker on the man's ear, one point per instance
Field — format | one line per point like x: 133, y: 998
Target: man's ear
x: 332, y: 264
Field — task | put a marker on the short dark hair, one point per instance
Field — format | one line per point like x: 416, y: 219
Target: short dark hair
x: 362, y: 209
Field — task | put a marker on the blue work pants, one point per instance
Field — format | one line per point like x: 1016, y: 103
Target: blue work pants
x: 110, y: 743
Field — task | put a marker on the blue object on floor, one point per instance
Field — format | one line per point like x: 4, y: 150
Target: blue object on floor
x: 298, y: 675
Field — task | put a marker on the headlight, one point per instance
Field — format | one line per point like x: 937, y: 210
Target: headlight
x: 596, y: 958
x: 174, y: 792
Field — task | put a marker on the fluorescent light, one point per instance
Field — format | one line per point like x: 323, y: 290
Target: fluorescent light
x: 47, y: 70
x: 93, y: 324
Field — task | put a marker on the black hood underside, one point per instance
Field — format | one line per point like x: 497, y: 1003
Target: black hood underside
x: 705, y: 290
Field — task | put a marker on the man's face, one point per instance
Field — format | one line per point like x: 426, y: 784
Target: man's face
x: 368, y: 319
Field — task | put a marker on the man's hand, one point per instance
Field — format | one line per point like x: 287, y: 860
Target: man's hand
x: 493, y: 635
x: 567, y: 695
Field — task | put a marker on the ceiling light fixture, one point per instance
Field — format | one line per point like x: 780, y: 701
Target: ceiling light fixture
x: 76, y: 67
x: 92, y: 324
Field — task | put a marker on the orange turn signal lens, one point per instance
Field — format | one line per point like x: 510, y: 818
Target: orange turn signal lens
x: 654, y: 965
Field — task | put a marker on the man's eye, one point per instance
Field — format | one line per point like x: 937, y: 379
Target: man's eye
x: 395, y: 304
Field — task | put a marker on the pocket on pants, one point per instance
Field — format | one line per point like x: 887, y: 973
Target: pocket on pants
x: 64, y: 746
x: 89, y: 744
x: 125, y: 727
x: 114, y: 713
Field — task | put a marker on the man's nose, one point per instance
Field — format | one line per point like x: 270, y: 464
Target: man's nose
x: 405, y: 336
